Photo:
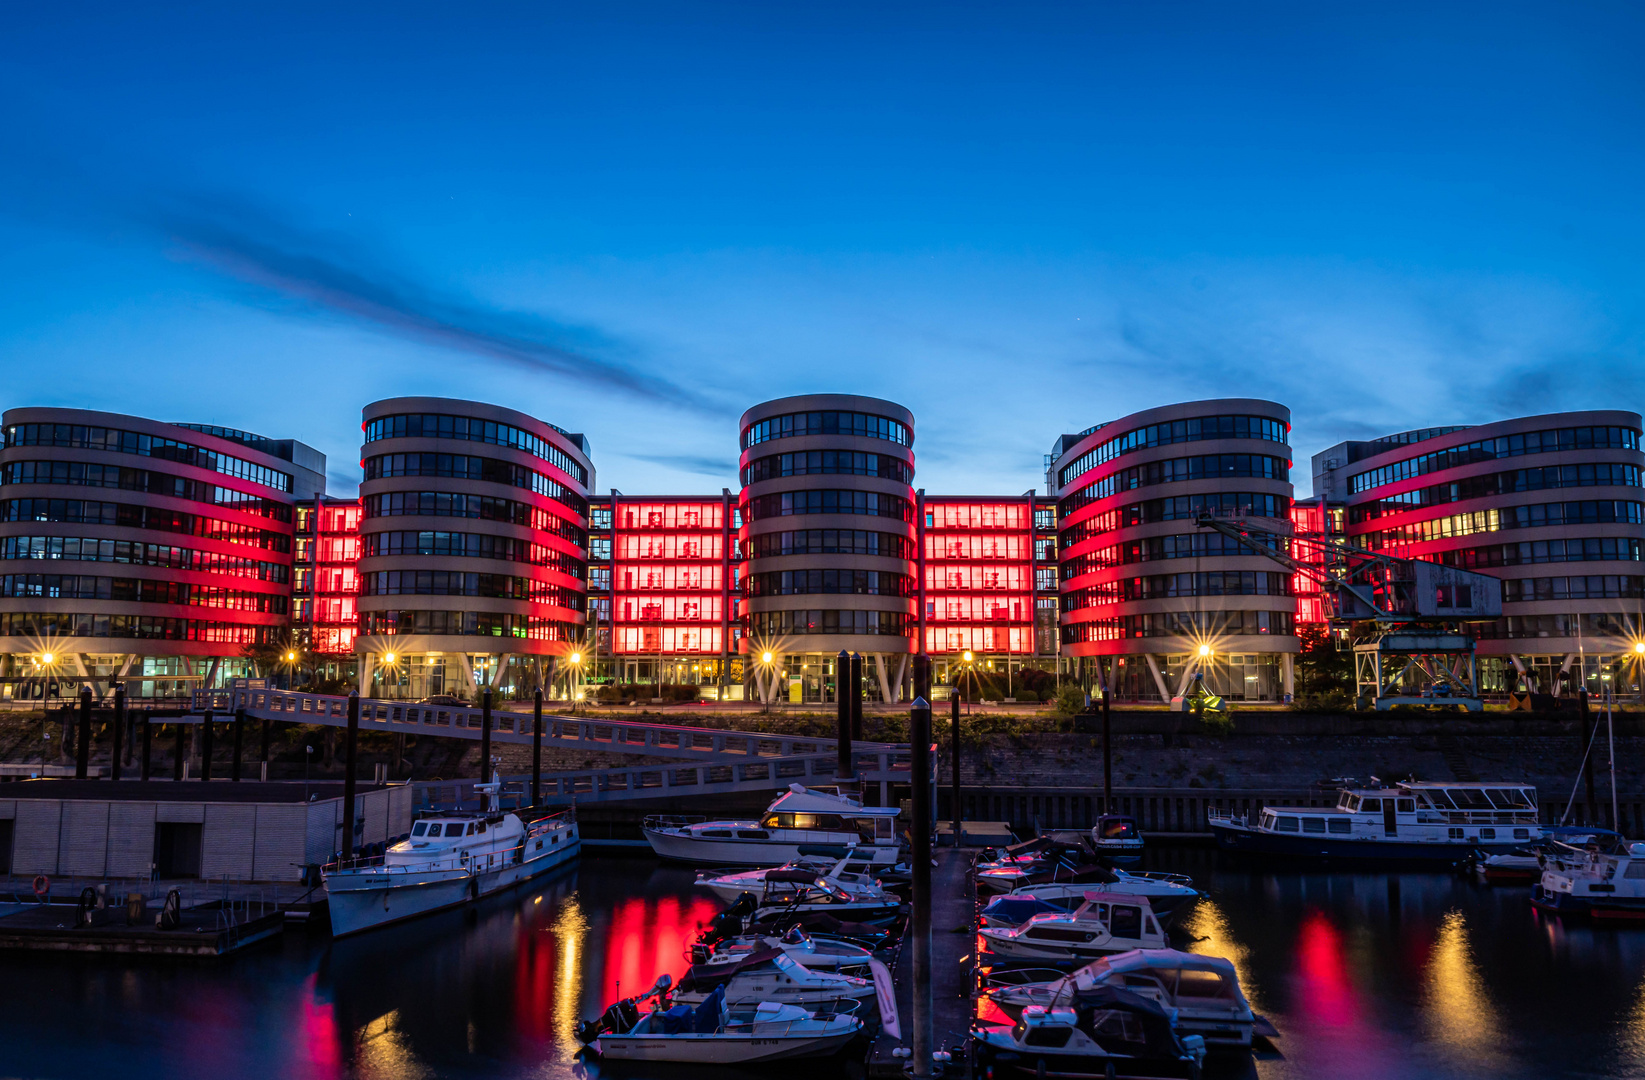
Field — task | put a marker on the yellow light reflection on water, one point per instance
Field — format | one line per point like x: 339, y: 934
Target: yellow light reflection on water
x: 1633, y: 1032
x: 381, y: 1050
x: 1457, y: 1011
x: 570, y: 932
x: 1208, y: 930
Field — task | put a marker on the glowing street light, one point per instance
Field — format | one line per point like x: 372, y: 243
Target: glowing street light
x: 389, y: 658
x: 1204, y: 651
x: 766, y: 657
x: 576, y: 658
x: 47, y: 659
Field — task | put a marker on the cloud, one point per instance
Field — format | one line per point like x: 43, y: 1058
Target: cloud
x: 326, y: 273
x: 700, y: 465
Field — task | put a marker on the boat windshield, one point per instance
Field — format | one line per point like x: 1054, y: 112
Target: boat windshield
x: 419, y: 829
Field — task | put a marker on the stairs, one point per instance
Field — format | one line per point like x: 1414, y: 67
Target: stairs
x: 1455, y: 759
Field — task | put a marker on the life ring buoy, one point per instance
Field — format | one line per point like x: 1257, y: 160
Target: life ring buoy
x: 42, y: 885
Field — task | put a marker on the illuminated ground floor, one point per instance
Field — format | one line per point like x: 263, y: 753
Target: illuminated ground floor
x: 1236, y: 676
x: 59, y: 676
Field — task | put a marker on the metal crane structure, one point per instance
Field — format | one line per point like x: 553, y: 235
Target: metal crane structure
x: 1407, y: 660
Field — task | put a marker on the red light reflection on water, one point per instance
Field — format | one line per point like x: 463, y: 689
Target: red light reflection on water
x: 534, y: 963
x: 646, y: 938
x: 322, y: 1057
x: 1328, y: 994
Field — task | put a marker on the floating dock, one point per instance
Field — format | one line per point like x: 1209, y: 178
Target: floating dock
x: 207, y: 931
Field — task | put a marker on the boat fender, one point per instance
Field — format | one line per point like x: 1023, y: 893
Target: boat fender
x: 88, y: 904
x: 473, y: 888
x: 42, y: 887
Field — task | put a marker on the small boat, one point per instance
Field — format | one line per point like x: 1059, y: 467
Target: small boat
x: 1104, y: 1031
x: 848, y: 871
x: 448, y: 860
x: 1596, y: 883
x: 768, y: 974
x: 713, y: 1033
x: 1105, y: 923
x: 1524, y: 865
x: 1203, y: 991
x: 1410, y: 821
x: 736, y: 920
x: 816, y: 953
x: 800, y: 817
x: 783, y: 899
x: 1168, y: 894
x: 1116, y: 837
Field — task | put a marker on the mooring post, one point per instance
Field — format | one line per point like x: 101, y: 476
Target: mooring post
x: 537, y: 750
x: 82, y: 738
x: 920, y: 923
x: 856, y: 697
x: 177, y: 756
x: 239, y: 741
x: 485, y: 738
x: 348, y: 775
x: 954, y: 764
x: 148, y: 760
x: 1107, y: 753
x: 842, y: 726
x: 922, y: 676
x: 119, y: 726
x: 207, y: 729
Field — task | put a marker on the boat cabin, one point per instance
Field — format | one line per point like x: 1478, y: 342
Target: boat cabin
x: 1416, y: 810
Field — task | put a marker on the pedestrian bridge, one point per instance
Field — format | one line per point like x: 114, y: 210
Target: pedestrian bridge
x: 711, y: 761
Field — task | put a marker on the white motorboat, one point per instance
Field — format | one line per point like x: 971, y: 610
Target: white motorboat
x: 1169, y: 895
x: 1105, y: 923
x: 1204, y: 991
x: 713, y: 1033
x: 1594, y: 882
x: 1104, y: 1032
x: 799, y: 817
x: 1117, y: 837
x: 782, y: 901
x: 768, y: 975
x: 850, y: 874
x: 1409, y: 821
x: 449, y: 859
x: 1524, y: 865
x: 816, y: 953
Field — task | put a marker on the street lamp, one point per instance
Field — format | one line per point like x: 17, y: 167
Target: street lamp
x: 1204, y: 651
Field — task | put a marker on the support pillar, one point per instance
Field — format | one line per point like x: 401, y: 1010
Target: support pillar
x: 1107, y: 749
x: 920, y: 858
x: 485, y: 736
x: 119, y: 728
x: 349, y: 746
x: 843, y: 771
x: 537, y: 750
x: 148, y: 759
x: 954, y: 766
x: 1288, y: 675
x: 239, y: 742
x: 178, y: 756
x: 82, y: 739
x: 208, y: 729
x: 266, y: 723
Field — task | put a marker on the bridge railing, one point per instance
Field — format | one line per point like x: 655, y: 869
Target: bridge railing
x: 465, y: 722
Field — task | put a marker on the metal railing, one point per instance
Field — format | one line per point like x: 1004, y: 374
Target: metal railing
x: 465, y: 722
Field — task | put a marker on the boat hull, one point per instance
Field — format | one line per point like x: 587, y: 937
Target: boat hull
x: 703, y: 851
x: 719, y: 1049
x: 1248, y: 841
x: 1619, y: 909
x: 361, y: 900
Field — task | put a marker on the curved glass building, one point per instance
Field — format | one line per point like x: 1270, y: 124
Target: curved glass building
x: 827, y: 543
x: 473, y: 546
x: 140, y: 549
x: 1550, y: 504
x: 1146, y: 593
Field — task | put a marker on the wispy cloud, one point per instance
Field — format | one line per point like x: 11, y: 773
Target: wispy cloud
x: 700, y: 465
x: 329, y: 274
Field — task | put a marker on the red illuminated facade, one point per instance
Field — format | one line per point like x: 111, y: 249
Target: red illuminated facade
x: 661, y: 581
x: 988, y: 564
x: 1318, y: 520
x: 325, y: 581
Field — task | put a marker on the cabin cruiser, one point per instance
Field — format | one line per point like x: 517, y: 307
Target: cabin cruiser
x: 1408, y: 821
x: 768, y: 975
x: 1116, y: 837
x: 1203, y: 991
x: 714, y: 1033
x: 801, y: 816
x: 1105, y: 923
x: 449, y: 859
x: 1103, y: 1031
x: 1168, y: 894
x: 815, y: 952
x: 849, y: 872
x: 1525, y: 864
x: 1598, y: 883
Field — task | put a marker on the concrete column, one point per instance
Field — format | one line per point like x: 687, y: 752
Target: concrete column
x: 1288, y: 674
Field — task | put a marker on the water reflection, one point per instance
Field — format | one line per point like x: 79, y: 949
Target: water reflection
x: 1208, y: 933
x: 1459, y: 1014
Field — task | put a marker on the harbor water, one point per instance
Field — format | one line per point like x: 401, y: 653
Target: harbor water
x: 1374, y: 975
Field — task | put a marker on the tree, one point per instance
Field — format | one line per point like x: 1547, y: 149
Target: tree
x: 1324, y: 674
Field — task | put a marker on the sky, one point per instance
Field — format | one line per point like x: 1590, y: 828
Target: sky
x: 635, y: 220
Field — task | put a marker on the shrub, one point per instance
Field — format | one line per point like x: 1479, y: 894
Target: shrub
x: 1070, y: 700
x: 1027, y: 695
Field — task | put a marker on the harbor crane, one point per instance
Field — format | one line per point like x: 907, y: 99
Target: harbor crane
x: 1419, y: 651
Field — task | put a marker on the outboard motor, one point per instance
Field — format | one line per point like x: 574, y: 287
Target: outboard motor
x: 729, y: 923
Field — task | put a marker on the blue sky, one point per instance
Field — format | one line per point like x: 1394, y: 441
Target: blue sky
x: 637, y: 220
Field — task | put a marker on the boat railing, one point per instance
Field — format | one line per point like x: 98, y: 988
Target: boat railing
x: 378, y: 863
x: 671, y: 821
x: 1161, y: 875
x: 1226, y: 817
